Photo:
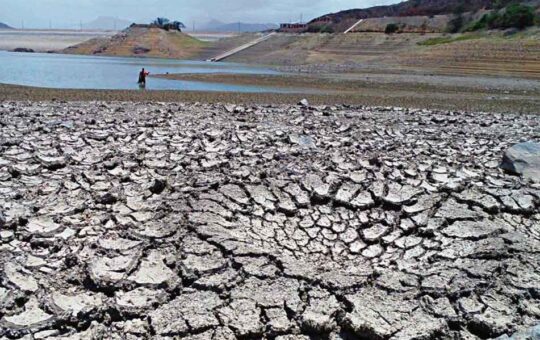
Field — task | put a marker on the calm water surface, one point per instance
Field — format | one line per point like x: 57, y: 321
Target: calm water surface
x: 91, y: 72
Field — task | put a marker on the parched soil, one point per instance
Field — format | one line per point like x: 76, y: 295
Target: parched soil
x: 123, y: 220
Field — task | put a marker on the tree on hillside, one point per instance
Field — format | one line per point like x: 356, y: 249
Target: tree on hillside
x: 456, y: 24
x: 514, y: 16
x: 391, y: 28
x: 518, y: 16
x: 168, y: 25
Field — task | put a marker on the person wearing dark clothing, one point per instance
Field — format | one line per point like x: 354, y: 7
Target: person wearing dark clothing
x: 142, y: 77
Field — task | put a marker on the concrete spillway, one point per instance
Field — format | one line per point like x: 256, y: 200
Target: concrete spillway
x: 241, y: 48
x: 354, y: 26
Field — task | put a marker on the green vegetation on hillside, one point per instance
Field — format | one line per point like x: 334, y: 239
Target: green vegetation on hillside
x: 513, y: 16
x: 320, y: 29
x: 447, y: 40
x: 391, y: 28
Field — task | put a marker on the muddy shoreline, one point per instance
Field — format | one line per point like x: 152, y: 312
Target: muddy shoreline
x: 332, y: 92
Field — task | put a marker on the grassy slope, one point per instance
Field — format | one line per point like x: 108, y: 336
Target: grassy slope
x: 160, y: 43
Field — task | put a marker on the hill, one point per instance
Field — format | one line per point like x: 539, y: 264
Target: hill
x: 218, y: 26
x: 106, y: 23
x: 4, y: 26
x: 141, y: 41
x: 488, y: 53
x: 340, y: 21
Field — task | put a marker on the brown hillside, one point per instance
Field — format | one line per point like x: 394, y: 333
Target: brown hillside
x: 142, y: 42
x: 428, y: 9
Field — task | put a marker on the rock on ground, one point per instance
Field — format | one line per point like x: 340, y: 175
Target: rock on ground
x: 523, y: 159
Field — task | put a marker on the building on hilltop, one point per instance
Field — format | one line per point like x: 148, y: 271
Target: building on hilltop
x: 293, y: 28
x: 163, y: 23
x: 321, y: 21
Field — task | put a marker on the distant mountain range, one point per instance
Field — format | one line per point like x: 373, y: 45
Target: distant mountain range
x: 218, y: 26
x: 4, y: 26
x: 107, y: 23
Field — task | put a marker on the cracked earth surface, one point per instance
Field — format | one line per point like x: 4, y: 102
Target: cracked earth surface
x: 161, y: 221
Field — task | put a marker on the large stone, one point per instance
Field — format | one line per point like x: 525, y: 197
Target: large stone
x: 523, y: 159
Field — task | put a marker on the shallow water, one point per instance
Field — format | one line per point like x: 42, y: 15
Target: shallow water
x: 91, y: 72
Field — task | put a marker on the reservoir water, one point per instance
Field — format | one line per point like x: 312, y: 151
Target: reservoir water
x: 90, y: 72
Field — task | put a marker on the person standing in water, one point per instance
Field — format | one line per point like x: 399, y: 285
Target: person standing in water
x: 142, y: 78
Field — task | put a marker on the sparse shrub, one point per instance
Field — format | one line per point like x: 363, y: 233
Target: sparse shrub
x: 424, y: 27
x: 391, y: 28
x: 493, y: 20
x: 314, y: 29
x: 500, y: 4
x: 447, y: 40
x: 477, y: 25
x: 327, y: 29
x: 320, y: 29
x: 514, y: 16
x: 518, y: 16
x: 456, y: 24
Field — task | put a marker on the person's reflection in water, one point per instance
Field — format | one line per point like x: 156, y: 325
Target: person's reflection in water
x: 142, y: 78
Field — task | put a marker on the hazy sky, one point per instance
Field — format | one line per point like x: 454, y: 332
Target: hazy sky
x: 38, y: 13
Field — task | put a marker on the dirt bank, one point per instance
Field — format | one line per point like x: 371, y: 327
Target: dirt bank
x: 490, y: 94
x: 489, y: 54
x: 410, y: 99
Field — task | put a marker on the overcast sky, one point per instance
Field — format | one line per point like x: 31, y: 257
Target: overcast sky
x: 38, y: 13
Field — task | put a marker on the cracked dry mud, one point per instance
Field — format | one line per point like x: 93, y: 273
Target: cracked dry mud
x: 161, y: 221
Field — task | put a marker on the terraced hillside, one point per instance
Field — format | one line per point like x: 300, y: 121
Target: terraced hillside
x: 490, y: 54
x: 495, y: 56
x: 287, y: 49
x: 340, y: 21
x: 223, y: 45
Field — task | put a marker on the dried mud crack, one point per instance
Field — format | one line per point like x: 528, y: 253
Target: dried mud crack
x: 161, y: 221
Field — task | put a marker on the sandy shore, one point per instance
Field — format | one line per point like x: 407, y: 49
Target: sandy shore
x: 46, y: 40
